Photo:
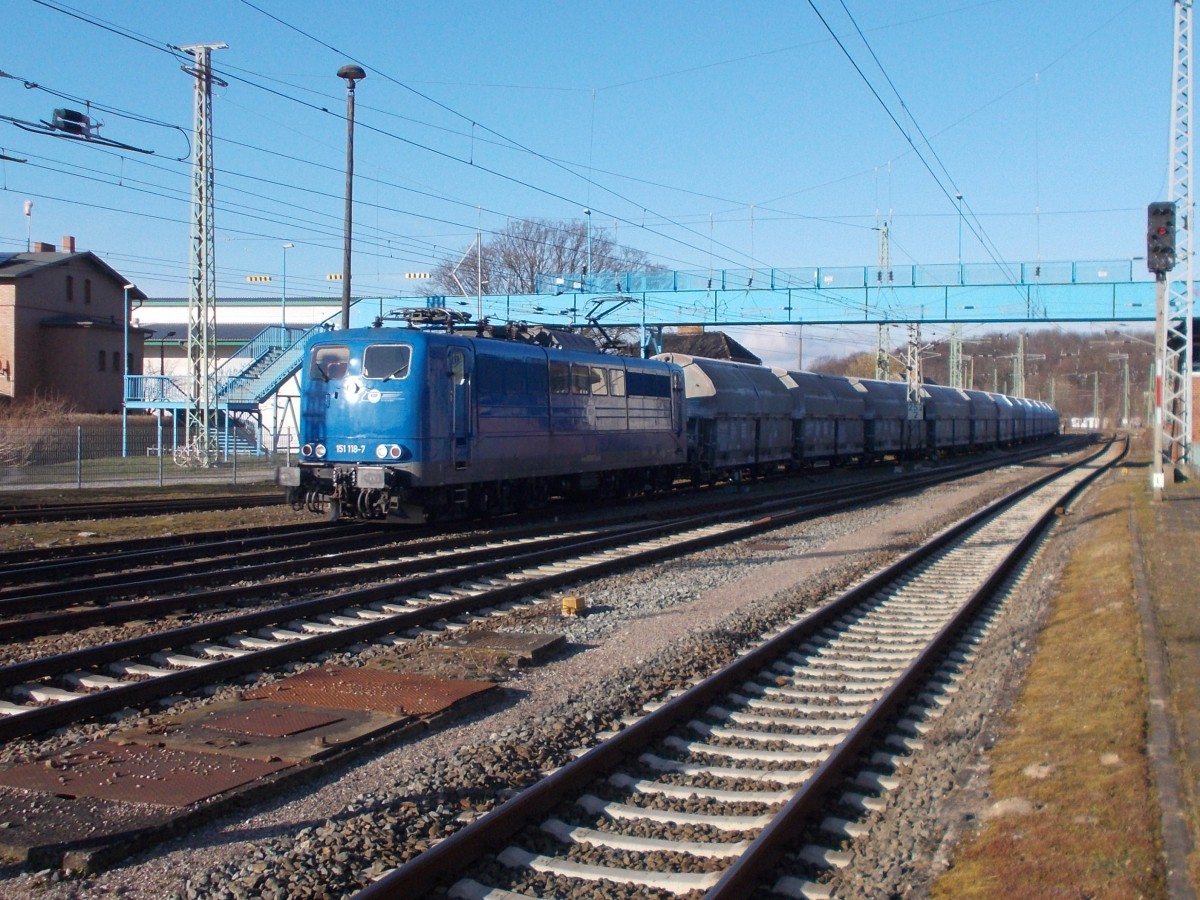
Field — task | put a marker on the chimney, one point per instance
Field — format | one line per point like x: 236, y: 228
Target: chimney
x: 690, y: 329
x: 42, y: 247
x: 68, y: 243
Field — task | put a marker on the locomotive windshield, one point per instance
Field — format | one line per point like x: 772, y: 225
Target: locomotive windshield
x: 329, y: 361
x: 386, y: 361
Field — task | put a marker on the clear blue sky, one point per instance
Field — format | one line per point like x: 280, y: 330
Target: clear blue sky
x: 711, y: 135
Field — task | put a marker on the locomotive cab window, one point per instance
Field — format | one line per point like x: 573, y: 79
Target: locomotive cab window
x: 581, y: 379
x: 329, y: 361
x: 386, y: 361
x: 560, y: 381
x: 616, y: 382
x: 458, y: 367
x: 599, y: 382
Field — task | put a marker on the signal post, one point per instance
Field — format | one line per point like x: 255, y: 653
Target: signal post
x: 1160, y: 259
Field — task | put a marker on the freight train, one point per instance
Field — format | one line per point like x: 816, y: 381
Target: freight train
x: 421, y: 423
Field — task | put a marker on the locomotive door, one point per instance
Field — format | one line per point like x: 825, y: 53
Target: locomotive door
x: 460, y: 407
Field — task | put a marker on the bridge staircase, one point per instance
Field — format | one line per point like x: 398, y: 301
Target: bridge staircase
x: 246, y: 380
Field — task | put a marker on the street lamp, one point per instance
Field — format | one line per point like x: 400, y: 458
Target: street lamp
x: 587, y: 271
x: 958, y: 198
x: 283, y: 302
x: 161, y: 366
x: 125, y: 372
x: 352, y: 74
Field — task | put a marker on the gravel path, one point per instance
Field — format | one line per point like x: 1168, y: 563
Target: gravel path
x: 647, y: 633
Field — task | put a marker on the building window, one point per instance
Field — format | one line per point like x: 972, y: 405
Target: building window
x: 70, y: 288
x: 101, y: 360
x: 87, y: 290
x: 116, y: 361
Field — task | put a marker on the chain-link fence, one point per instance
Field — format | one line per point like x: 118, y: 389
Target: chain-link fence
x: 65, y: 456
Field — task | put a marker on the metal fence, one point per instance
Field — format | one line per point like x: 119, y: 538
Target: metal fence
x: 67, y: 456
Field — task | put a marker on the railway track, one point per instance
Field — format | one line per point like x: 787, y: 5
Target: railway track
x: 373, y: 599
x: 36, y: 585
x: 62, y: 563
x: 46, y: 596
x: 750, y: 780
x: 16, y: 515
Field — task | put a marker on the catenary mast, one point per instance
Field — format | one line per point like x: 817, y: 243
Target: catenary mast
x: 200, y: 442
x: 1175, y: 351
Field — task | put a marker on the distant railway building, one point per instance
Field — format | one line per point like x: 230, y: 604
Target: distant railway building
x: 61, y: 328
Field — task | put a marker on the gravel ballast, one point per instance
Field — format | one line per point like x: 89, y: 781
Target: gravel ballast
x: 646, y: 633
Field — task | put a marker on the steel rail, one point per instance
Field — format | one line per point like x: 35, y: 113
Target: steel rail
x: 747, y: 871
x: 269, y: 554
x: 65, y: 712
x: 20, y: 560
x: 16, y: 515
x: 16, y: 602
x: 447, y: 858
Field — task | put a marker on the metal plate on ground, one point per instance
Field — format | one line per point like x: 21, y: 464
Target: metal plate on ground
x: 374, y: 690
x: 522, y: 646
x: 275, y: 721
x: 258, y: 729
x: 43, y: 831
x: 137, y: 774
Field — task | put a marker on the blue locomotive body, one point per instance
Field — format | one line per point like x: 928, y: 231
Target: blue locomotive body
x: 409, y: 424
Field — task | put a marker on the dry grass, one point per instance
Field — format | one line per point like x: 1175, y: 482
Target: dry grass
x: 1167, y: 529
x: 1072, y: 812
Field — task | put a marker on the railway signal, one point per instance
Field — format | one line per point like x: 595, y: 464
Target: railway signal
x: 1160, y: 237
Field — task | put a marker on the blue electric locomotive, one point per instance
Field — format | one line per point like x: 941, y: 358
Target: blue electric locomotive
x: 409, y: 424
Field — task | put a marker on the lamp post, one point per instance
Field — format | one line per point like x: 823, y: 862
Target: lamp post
x: 587, y: 271
x: 283, y: 301
x: 352, y: 74
x: 162, y: 369
x: 125, y: 370
x: 958, y: 199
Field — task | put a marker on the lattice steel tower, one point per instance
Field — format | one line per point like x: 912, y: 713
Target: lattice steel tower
x: 883, y: 275
x: 1175, y: 313
x: 956, y: 357
x: 200, y: 441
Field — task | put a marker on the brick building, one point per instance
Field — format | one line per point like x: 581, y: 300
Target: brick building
x: 62, y: 316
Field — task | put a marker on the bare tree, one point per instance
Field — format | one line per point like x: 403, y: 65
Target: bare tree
x: 511, y: 260
x: 854, y: 365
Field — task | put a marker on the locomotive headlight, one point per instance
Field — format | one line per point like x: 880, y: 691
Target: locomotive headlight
x: 320, y: 449
x: 381, y: 451
x: 395, y: 451
x: 307, y: 450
